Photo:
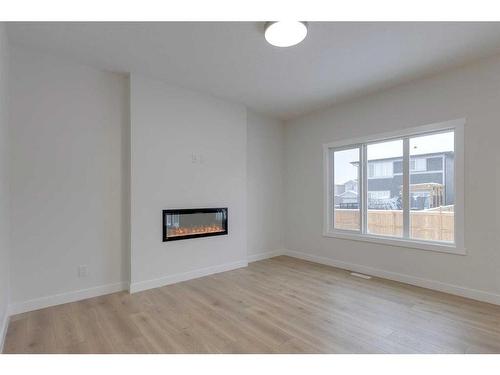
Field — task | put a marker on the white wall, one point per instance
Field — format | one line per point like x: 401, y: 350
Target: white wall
x: 471, y: 92
x: 71, y: 204
x: 4, y: 184
x: 265, y: 189
x: 69, y: 179
x: 168, y: 125
x: 71, y: 175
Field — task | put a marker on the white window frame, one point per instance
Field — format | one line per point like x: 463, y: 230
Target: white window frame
x: 458, y: 247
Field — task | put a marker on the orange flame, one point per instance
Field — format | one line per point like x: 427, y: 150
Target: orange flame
x: 185, y: 231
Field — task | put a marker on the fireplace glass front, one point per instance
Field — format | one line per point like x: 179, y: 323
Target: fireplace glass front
x: 192, y: 223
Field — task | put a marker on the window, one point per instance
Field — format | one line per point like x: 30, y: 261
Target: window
x: 346, y: 210
x: 432, y: 194
x: 401, y: 188
x: 418, y: 164
x: 384, y: 216
x: 380, y: 169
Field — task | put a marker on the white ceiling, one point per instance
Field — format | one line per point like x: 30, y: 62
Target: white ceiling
x: 232, y: 60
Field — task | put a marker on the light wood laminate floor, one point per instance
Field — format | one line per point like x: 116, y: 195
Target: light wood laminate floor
x: 279, y: 305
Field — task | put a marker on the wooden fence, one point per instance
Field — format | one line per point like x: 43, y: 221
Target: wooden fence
x: 436, y: 225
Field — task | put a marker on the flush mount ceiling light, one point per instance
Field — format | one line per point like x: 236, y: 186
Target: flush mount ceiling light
x: 285, y: 33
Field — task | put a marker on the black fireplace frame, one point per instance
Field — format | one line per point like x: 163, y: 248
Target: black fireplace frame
x: 184, y: 211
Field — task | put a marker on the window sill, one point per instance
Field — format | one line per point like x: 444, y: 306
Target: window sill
x: 420, y: 245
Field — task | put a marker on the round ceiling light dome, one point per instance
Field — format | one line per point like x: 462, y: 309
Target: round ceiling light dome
x: 285, y: 33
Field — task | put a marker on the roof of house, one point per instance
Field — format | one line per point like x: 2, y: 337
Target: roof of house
x: 449, y: 153
x: 348, y: 193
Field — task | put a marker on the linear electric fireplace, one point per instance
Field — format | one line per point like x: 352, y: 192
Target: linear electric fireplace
x: 193, y: 223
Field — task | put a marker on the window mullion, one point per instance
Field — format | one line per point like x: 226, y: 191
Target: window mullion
x: 364, y: 190
x: 331, y: 197
x: 406, y: 188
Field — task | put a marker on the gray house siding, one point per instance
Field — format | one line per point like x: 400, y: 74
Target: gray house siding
x: 450, y: 179
x: 425, y: 178
x: 435, y: 164
x: 391, y: 184
x: 397, y: 167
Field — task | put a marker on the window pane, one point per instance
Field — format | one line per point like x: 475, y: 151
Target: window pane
x: 346, y: 189
x: 385, y: 180
x: 432, y: 191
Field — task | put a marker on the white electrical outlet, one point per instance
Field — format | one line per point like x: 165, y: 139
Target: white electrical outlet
x: 83, y: 271
x: 197, y: 158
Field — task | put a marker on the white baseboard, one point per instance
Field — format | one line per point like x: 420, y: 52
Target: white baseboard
x: 475, y: 294
x: 3, y: 329
x: 59, y: 299
x: 176, y: 278
x: 264, y: 255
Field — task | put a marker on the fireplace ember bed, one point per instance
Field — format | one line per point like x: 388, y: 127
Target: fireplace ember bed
x: 186, y: 223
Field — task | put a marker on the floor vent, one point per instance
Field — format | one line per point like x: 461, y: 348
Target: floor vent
x: 361, y: 275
